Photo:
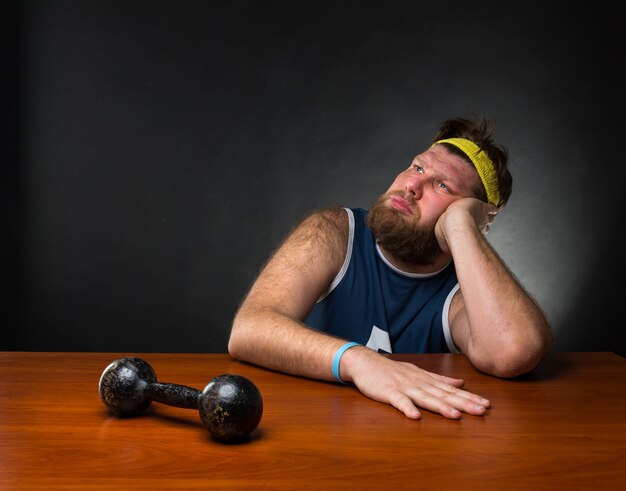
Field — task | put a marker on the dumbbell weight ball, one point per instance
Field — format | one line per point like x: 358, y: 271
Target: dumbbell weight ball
x: 230, y: 406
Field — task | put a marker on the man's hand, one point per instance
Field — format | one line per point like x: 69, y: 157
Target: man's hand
x: 407, y: 387
x: 465, y: 212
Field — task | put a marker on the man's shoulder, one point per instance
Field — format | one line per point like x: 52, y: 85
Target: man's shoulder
x: 338, y: 215
x: 329, y: 224
x: 332, y: 217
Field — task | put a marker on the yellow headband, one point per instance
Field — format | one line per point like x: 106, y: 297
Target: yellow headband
x: 483, y: 165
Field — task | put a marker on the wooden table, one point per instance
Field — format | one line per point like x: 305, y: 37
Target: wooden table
x: 563, y: 427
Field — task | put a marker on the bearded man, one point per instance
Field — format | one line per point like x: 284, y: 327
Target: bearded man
x: 414, y: 274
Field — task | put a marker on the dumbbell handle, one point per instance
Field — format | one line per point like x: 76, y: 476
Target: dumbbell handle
x: 174, y: 394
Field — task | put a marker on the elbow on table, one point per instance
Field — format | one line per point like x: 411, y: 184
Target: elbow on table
x: 233, y: 348
x: 236, y: 343
x: 252, y: 333
x: 516, y: 358
x: 513, y: 366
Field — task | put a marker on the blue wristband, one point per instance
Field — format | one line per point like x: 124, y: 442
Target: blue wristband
x: 337, y: 359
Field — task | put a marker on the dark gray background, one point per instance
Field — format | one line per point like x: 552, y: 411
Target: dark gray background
x: 155, y: 153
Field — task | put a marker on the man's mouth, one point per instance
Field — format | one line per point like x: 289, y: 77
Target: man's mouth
x: 401, y: 204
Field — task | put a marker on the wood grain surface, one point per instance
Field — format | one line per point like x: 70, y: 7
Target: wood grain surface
x: 561, y: 427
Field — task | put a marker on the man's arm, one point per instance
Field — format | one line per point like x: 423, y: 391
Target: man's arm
x: 268, y: 328
x: 493, y: 320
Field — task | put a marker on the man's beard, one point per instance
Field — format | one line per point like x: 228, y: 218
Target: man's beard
x: 401, y: 235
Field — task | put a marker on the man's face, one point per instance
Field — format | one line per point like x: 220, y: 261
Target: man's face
x: 403, y: 219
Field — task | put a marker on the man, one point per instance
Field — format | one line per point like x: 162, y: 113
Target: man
x: 414, y: 274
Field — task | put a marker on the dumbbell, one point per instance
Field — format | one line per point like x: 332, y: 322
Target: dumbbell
x: 230, y: 406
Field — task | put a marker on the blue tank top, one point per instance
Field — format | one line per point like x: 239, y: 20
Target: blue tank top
x: 372, y: 302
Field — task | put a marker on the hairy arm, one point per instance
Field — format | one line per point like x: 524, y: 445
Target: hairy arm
x: 492, y: 318
x: 268, y: 328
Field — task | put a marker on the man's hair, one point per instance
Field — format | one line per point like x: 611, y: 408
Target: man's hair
x: 480, y: 131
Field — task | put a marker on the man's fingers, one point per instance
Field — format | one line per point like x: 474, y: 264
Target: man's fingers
x: 448, y: 404
x: 458, y: 396
x: 452, y: 386
x: 405, y: 405
x: 456, y: 382
x: 427, y: 401
x: 444, y: 395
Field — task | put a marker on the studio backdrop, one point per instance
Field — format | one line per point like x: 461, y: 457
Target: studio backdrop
x: 156, y: 153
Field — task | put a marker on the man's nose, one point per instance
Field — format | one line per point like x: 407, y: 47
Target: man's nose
x: 415, y: 186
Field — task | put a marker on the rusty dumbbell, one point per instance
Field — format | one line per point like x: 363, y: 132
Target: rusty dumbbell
x: 230, y: 406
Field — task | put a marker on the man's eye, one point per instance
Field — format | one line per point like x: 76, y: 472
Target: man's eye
x: 418, y: 168
x: 443, y: 186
